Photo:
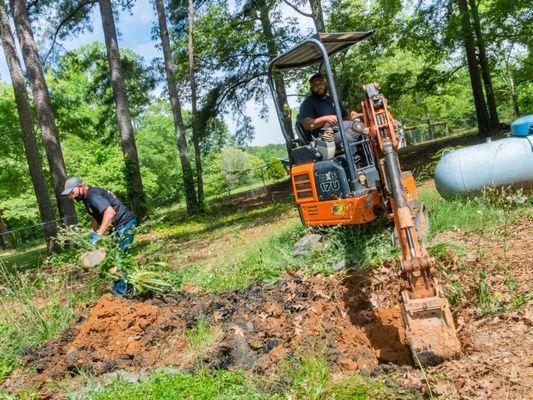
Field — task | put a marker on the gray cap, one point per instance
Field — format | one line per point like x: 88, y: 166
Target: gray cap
x: 70, y: 184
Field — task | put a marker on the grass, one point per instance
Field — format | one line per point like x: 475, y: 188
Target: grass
x: 474, y: 214
x: 21, y: 257
x: 305, y: 377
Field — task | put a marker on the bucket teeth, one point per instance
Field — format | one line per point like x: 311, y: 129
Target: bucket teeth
x: 430, y: 329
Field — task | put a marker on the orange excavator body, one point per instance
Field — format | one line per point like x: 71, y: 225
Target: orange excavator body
x: 341, y: 211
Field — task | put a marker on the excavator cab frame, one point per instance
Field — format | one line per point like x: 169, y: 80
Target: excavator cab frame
x: 313, y: 50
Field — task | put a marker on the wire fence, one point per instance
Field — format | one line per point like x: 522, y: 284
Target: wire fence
x: 416, y: 132
x: 253, y: 182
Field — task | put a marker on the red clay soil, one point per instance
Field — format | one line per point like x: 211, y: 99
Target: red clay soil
x: 261, y: 325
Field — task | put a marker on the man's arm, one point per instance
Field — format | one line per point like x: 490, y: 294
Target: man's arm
x: 311, y: 124
x: 107, y: 217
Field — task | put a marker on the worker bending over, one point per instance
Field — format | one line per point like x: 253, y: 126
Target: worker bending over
x: 107, y: 213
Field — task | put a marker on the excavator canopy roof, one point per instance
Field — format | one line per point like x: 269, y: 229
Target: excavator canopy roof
x: 307, y: 53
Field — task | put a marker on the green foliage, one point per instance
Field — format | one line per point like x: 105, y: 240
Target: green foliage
x: 266, y: 153
x: 143, y: 275
x: 17, y: 201
x: 275, y: 169
x: 240, y: 167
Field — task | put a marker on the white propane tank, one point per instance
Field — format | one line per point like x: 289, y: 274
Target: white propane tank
x: 504, y: 162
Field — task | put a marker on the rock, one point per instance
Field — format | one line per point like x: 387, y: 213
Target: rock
x: 307, y: 244
x: 339, y: 265
x: 255, y: 343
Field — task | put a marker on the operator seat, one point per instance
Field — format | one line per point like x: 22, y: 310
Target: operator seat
x: 305, y: 136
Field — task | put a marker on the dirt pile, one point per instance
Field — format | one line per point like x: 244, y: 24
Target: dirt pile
x: 260, y: 326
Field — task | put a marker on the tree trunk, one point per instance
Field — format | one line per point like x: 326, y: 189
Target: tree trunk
x: 485, y: 71
x: 5, y: 240
x: 129, y: 148
x: 318, y: 15
x: 194, y: 121
x: 43, y: 106
x: 188, y: 179
x: 28, y: 134
x: 514, y: 95
x: 475, y: 80
x: 281, y: 92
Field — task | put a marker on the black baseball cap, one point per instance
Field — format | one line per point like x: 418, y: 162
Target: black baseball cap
x: 316, y: 76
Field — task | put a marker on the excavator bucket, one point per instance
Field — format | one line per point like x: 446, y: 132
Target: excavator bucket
x: 430, y: 329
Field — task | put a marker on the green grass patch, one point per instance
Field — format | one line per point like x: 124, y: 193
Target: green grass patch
x: 266, y: 259
x: 482, y: 213
x: 164, y: 385
x: 304, y: 377
x: 24, y: 256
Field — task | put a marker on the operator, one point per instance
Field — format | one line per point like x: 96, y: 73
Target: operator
x: 319, y: 109
x: 107, y: 213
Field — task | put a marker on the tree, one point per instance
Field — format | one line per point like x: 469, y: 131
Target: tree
x: 316, y: 12
x: 129, y: 148
x: 275, y: 169
x: 264, y: 7
x: 483, y: 121
x: 188, y: 181
x: 82, y: 94
x: 28, y: 134
x: 484, y: 65
x: 41, y: 98
x: 194, y: 112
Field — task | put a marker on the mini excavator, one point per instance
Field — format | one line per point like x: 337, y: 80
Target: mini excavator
x: 356, y: 179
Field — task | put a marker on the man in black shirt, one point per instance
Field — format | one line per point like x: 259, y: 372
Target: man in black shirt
x: 106, y: 211
x: 319, y: 108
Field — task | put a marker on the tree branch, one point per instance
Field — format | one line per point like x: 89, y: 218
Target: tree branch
x: 65, y: 20
x: 297, y: 9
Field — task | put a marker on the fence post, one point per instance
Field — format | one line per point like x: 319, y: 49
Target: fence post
x: 430, y: 130
x: 446, y: 130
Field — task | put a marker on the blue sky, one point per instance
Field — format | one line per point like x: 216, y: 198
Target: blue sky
x: 135, y: 33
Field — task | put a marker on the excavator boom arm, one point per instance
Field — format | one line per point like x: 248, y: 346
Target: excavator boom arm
x: 429, y: 324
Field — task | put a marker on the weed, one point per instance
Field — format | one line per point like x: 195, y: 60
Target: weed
x: 487, y: 301
x: 454, y: 294
x: 474, y: 214
x: 308, y: 376
x: 22, y: 321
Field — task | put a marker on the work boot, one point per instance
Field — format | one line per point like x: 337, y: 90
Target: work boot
x: 121, y: 288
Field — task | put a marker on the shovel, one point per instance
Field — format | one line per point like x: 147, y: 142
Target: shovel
x: 92, y: 258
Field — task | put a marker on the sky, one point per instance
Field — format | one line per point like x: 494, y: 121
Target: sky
x: 135, y: 33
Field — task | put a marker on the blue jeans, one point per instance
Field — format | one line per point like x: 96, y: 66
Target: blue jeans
x: 125, y: 234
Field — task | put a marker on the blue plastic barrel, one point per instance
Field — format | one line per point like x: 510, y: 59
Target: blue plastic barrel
x: 522, y: 126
